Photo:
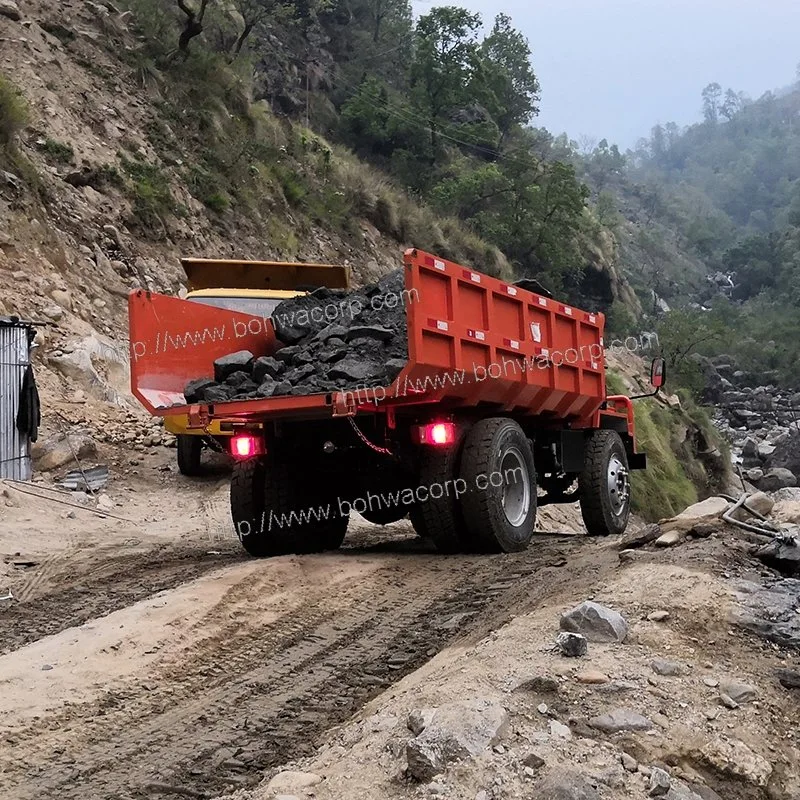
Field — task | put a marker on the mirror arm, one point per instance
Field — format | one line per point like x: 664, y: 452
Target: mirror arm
x: 641, y: 396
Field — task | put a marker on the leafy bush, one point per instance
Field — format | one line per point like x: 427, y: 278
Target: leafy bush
x: 150, y: 192
x: 58, y: 151
x: 13, y: 112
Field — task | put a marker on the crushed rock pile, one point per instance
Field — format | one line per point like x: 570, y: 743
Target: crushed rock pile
x: 332, y: 340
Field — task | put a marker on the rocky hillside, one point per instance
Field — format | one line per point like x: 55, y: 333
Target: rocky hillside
x: 99, y: 193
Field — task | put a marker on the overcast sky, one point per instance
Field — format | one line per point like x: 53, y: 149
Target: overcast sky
x: 614, y: 68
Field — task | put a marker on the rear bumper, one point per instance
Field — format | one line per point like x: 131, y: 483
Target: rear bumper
x: 179, y: 426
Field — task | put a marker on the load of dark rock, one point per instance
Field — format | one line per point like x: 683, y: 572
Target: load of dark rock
x: 330, y: 340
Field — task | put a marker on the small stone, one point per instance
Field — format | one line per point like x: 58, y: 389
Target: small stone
x: 592, y: 676
x: 54, y: 312
x: 234, y: 362
x: 193, y: 391
x: 727, y: 701
x: 542, y: 708
x: 659, y: 782
x: 628, y: 762
x: 419, y: 719
x: 533, y: 761
x: 267, y: 367
x: 572, y: 645
x: 559, y: 730
x: 47, y: 667
x: 291, y: 780
x: 641, y: 537
x: 621, y: 719
x: 458, y: 730
x: 669, y: 668
x: 541, y: 684
x: 266, y: 388
x: 217, y: 394
x: 565, y: 784
x: 529, y: 772
x: 236, y: 379
x: 670, y: 538
x: 658, y: 616
x: 738, y: 692
x: 352, y: 369
x: 299, y: 374
x: 286, y: 354
x: 712, y: 683
x: 597, y: 623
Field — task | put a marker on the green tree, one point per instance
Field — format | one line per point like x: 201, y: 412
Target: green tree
x: 682, y: 334
x: 444, y: 64
x: 505, y: 79
x: 193, y: 24
x: 731, y: 105
x: 531, y: 209
x: 711, y: 102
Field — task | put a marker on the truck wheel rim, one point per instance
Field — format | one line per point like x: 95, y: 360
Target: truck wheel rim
x: 516, y: 487
x: 618, y: 486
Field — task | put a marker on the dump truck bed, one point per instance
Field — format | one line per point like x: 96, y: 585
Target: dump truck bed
x: 473, y: 341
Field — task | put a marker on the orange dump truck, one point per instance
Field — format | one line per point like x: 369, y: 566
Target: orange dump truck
x: 500, y: 406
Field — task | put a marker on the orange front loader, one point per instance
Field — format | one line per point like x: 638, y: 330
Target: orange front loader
x: 503, y: 395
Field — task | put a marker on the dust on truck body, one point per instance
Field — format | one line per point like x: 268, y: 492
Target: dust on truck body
x: 503, y: 397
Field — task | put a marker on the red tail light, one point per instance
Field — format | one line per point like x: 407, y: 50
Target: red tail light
x: 246, y: 446
x: 437, y: 433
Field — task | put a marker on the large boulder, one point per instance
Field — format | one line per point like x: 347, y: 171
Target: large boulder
x: 777, y: 478
x: 787, y: 453
x: 783, y: 554
x: 455, y: 731
x: 760, y: 502
x: 706, y: 511
x: 8, y: 8
x: 60, y: 449
x: 565, y: 784
x: 597, y: 623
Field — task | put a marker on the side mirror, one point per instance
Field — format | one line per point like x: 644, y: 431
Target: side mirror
x: 658, y: 373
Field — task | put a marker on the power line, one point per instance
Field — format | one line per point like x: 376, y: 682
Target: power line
x: 410, y: 117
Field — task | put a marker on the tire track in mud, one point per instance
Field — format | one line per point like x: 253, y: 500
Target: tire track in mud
x: 236, y: 704
x: 121, y: 581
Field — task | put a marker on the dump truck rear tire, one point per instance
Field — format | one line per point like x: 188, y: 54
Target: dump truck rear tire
x: 604, y: 485
x: 264, y: 493
x: 440, y: 518
x: 190, y: 449
x: 500, y: 504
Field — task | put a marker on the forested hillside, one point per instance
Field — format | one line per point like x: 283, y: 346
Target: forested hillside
x: 708, y: 220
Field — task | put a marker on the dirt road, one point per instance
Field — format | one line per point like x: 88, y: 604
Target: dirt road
x: 156, y: 661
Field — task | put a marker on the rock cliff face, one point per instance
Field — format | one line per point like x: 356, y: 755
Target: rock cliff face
x: 602, y: 283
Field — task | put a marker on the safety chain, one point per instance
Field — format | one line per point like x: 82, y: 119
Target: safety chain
x: 383, y: 450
